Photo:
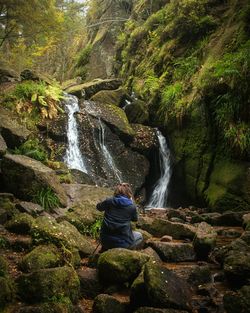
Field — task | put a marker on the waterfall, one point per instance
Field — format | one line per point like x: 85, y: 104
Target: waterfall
x: 159, y: 196
x: 74, y: 158
x: 107, y: 155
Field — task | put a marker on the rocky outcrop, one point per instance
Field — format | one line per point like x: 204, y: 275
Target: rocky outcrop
x: 116, y: 97
x: 25, y: 177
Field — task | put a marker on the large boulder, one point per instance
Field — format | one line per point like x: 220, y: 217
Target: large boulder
x: 165, y: 289
x: 137, y: 112
x: 125, y: 265
x: 90, y: 285
x: 50, y: 283
x: 26, y: 177
x: 41, y: 257
x: 160, y: 227
x: 20, y: 223
x: 87, y: 90
x: 12, y: 131
x: 173, y: 251
x: 204, y: 240
x: 116, y: 97
x: 46, y: 229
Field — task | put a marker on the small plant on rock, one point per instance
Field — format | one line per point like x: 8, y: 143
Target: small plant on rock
x: 46, y: 198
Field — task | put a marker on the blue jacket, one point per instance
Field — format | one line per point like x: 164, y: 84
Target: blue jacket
x: 116, y: 230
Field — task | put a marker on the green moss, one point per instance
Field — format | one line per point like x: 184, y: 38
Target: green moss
x: 33, y: 149
x: 7, y: 291
x: 3, y: 267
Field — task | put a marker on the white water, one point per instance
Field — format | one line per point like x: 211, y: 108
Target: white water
x: 107, y: 155
x: 74, y: 158
x: 159, y: 196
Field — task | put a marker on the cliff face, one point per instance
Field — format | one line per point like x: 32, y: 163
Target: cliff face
x: 189, y: 61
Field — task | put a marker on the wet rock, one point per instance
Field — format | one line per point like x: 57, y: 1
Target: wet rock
x: 3, y: 146
x: 90, y: 286
x: 13, y: 133
x: 20, y: 223
x: 116, y: 97
x: 165, y: 289
x: 144, y: 140
x: 105, y: 303
x: 21, y: 172
x: 87, y: 90
x: 160, y: 227
x: 173, y: 252
x: 41, y: 257
x: 46, y: 229
x: 48, y: 283
x: 137, y: 112
x: 30, y: 208
x: 81, y: 178
x: 200, y: 275
x: 55, y: 129
x: 204, y: 240
x: 125, y: 265
x: 237, y: 302
x: 145, y: 309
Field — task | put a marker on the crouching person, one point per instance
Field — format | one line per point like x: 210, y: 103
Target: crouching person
x: 119, y: 211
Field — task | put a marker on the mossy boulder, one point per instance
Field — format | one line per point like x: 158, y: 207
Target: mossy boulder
x: 200, y: 274
x: 105, y: 303
x: 112, y: 115
x: 116, y: 97
x: 87, y: 90
x: 25, y: 177
x: 125, y: 265
x: 20, y: 223
x: 173, y: 252
x: 46, y: 229
x: 13, y: 133
x: 47, y: 284
x: 30, y: 208
x: 41, y: 257
x: 7, y: 207
x: 160, y: 227
x: 64, y: 306
x: 138, y: 292
x: 165, y: 289
x: 204, y: 240
x: 90, y: 285
x: 137, y: 112
x: 237, y: 302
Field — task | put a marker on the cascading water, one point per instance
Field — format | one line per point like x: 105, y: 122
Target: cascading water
x: 74, y: 158
x: 107, y: 155
x: 159, y: 196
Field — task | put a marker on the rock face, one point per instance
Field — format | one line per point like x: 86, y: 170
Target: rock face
x: 25, y: 177
x: 13, y: 133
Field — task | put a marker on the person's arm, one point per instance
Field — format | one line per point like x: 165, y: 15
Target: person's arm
x: 102, y: 206
x: 134, y: 217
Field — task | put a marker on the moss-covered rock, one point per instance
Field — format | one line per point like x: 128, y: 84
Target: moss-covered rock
x: 138, y: 292
x: 173, y: 252
x: 48, y: 284
x: 115, y: 97
x: 7, y: 207
x: 46, y: 229
x: 41, y: 257
x: 204, y: 240
x: 125, y: 265
x: 165, y: 289
x: 87, y: 90
x: 26, y: 177
x: 105, y: 303
x: 63, y: 306
x: 145, y: 139
x: 137, y: 112
x: 20, y: 223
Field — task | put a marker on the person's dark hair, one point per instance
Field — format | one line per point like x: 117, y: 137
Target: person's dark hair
x: 123, y: 189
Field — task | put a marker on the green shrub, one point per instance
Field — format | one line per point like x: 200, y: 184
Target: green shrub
x: 46, y: 198
x: 84, y: 56
x: 32, y: 148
